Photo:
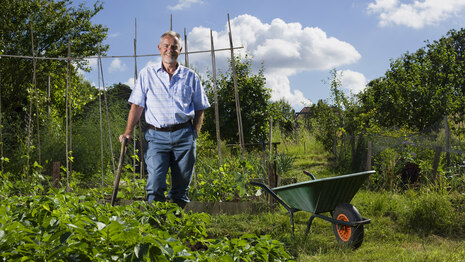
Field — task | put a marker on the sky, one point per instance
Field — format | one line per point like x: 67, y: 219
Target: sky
x: 298, y: 42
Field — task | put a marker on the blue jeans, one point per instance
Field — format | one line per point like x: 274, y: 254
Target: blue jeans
x: 174, y: 150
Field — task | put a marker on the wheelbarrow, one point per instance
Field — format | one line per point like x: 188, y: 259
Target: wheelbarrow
x: 317, y: 196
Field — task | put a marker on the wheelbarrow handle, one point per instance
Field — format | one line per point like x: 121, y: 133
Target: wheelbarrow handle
x: 124, y: 146
x: 272, y: 193
x: 309, y: 174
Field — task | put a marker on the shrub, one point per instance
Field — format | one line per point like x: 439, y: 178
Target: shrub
x: 428, y: 212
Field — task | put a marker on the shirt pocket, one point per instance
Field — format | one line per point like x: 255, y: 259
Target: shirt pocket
x: 184, y: 94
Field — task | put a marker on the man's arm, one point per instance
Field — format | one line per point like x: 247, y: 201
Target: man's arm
x: 198, y: 119
x: 134, y: 115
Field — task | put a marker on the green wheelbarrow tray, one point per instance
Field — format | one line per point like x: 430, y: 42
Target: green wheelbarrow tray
x: 325, y: 195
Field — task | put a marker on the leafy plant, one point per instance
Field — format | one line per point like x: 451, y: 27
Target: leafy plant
x: 67, y: 227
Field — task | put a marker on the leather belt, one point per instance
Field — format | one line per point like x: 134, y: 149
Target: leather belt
x: 171, y: 128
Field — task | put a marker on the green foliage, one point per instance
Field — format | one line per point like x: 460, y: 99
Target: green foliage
x: 283, y: 116
x: 420, y: 87
x: 51, y: 25
x: 429, y: 212
x: 35, y: 184
x: 284, y: 163
x: 388, y: 176
x: 86, y: 130
x: 254, y: 101
x: 67, y: 227
x: 226, y: 183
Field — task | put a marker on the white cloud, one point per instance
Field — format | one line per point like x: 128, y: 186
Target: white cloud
x: 130, y: 82
x: 353, y: 81
x: 157, y: 61
x: 183, y: 4
x: 116, y: 66
x: 92, y: 62
x: 295, y: 98
x: 416, y: 15
x: 285, y: 48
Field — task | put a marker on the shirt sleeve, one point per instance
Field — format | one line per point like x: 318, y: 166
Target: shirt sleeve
x: 138, y: 94
x: 200, y: 98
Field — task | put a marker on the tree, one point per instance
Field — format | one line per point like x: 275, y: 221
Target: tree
x: 254, y: 101
x: 283, y: 116
x: 420, y: 88
x: 51, y: 25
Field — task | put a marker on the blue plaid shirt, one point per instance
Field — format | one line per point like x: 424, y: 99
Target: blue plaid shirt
x: 168, y: 102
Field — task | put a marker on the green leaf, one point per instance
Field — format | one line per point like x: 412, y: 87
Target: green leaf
x: 64, y: 237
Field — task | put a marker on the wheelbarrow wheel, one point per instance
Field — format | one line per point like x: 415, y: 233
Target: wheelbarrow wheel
x: 347, y: 235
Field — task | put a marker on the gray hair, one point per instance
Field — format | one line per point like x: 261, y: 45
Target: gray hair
x: 173, y: 35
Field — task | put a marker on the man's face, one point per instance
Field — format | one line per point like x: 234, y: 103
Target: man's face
x: 169, y: 49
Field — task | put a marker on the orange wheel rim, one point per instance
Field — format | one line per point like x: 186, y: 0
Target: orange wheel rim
x: 342, y: 230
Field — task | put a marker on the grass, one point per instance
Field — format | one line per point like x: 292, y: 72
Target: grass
x: 386, y: 238
x: 413, y: 225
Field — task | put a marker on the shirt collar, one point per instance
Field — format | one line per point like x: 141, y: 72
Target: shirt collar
x: 179, y: 70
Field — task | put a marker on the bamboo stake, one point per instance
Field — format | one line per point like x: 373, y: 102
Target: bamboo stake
x: 141, y: 148
x: 271, y: 139
x: 134, y: 148
x: 67, y: 117
x: 1, y: 127
x: 48, y: 96
x: 112, y: 56
x: 36, y: 96
x: 100, y: 121
x: 215, y: 97
x: 447, y: 131
x: 29, y: 125
x: 70, y: 123
x: 236, y: 91
x: 186, y: 55
x: 107, y: 117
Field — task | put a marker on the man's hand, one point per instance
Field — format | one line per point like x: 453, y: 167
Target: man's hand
x: 134, y: 115
x: 121, y: 137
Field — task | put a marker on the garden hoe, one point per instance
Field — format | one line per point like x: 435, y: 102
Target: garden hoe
x: 124, y: 146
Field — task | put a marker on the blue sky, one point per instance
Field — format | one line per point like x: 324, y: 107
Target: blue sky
x: 299, y: 41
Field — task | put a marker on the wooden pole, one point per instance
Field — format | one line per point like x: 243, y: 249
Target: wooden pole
x: 29, y: 125
x: 171, y: 22
x: 48, y: 97
x: 436, y: 159
x: 100, y: 120
x: 36, y: 95
x: 215, y: 97
x: 67, y: 116
x: 368, y: 158
x: 70, y: 115
x: 141, y: 147
x: 108, y: 118
x: 29, y: 128
x: 447, y: 131
x: 271, y: 138
x: 1, y: 127
x: 236, y: 91
x: 186, y: 55
x: 112, y: 56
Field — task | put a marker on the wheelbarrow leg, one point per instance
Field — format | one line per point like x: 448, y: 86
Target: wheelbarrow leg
x: 286, y: 206
x: 291, y: 214
x: 309, y: 224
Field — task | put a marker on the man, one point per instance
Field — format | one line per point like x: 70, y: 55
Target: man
x: 174, y: 101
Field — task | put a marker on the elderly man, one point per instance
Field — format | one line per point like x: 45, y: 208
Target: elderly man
x: 174, y: 101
